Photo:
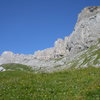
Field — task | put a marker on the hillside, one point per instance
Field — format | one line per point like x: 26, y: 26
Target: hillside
x: 17, y: 67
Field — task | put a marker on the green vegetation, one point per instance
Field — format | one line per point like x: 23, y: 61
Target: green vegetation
x: 18, y: 67
x: 75, y: 84
x: 58, y: 59
x: 57, y: 66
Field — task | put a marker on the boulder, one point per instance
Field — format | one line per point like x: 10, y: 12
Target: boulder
x: 2, y: 69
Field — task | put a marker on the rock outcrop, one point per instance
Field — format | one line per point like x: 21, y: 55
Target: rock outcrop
x: 2, y: 69
x: 85, y: 34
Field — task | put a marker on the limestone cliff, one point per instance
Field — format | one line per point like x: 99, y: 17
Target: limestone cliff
x: 86, y: 32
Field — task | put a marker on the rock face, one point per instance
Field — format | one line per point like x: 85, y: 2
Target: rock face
x: 85, y: 34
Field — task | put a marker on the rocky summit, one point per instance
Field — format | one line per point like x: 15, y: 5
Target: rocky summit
x: 80, y: 49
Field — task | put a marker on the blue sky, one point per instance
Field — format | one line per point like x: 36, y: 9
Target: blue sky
x: 30, y: 25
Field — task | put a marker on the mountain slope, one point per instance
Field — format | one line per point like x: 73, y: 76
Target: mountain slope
x: 89, y: 57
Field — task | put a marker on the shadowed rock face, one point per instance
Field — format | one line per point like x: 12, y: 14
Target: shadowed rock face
x: 85, y: 34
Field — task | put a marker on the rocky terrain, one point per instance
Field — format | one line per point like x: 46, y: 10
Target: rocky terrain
x: 80, y: 49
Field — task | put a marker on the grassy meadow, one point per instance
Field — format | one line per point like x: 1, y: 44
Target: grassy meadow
x: 76, y: 84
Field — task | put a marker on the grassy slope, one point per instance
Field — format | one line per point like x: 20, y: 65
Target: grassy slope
x: 88, y: 57
x: 17, y: 67
x: 77, y: 84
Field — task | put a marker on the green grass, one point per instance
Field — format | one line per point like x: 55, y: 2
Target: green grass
x: 77, y: 84
x: 18, y: 67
